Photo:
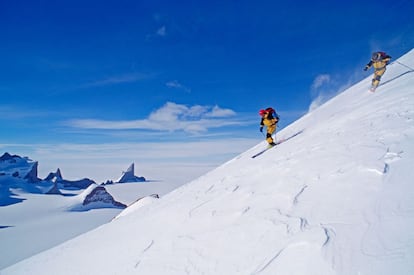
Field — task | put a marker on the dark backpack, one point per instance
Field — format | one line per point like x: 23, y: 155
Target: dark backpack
x: 273, y: 113
x: 380, y: 56
x: 383, y: 55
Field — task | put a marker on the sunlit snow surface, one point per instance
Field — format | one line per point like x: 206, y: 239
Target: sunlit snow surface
x: 335, y: 198
x: 41, y: 221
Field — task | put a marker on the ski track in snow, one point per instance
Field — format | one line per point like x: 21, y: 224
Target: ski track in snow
x: 143, y: 252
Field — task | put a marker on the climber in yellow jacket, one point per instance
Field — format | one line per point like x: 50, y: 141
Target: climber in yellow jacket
x: 379, y: 61
x: 269, y: 119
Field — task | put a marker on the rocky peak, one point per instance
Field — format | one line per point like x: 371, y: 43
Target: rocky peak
x: 99, y: 195
x: 129, y: 175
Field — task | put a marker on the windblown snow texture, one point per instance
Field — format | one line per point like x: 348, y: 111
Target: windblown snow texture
x: 336, y: 199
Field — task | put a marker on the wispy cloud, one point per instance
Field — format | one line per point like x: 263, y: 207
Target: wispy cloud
x: 326, y: 86
x: 319, y: 90
x: 177, y: 85
x: 220, y: 112
x: 119, y: 79
x: 12, y: 112
x: 320, y: 80
x: 162, y: 31
x: 170, y: 117
x: 154, y: 160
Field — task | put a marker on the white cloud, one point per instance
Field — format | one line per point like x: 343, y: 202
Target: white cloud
x: 170, y: 117
x: 322, y: 88
x: 325, y: 86
x: 219, y: 112
x: 104, y: 161
x: 15, y: 112
x: 125, y: 78
x: 320, y: 80
x: 318, y: 101
x: 161, y: 32
x: 177, y: 85
x: 173, y: 84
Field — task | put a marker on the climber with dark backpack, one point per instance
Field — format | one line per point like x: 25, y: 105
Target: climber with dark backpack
x: 379, y: 60
x: 269, y: 119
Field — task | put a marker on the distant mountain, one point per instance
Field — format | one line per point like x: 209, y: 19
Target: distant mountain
x: 129, y: 175
x: 7, y: 156
x: 54, y: 209
x: 17, y: 167
x: 54, y: 190
x: 21, y: 172
x: 95, y: 196
x: 68, y: 184
x: 57, y: 176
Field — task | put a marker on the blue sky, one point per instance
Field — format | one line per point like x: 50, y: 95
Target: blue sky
x: 158, y: 72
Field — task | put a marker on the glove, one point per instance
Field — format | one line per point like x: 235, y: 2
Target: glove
x: 366, y: 68
x: 261, y: 129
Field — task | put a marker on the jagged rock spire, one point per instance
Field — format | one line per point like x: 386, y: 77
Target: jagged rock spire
x: 129, y: 175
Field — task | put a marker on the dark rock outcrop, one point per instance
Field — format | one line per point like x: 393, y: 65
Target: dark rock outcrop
x: 7, y: 156
x: 31, y: 176
x: 101, y: 196
x: 57, y: 175
x: 54, y: 190
x: 78, y: 184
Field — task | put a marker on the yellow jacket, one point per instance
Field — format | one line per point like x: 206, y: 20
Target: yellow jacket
x: 379, y: 63
x: 268, y: 120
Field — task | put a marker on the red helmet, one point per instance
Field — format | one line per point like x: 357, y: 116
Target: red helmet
x: 262, y: 112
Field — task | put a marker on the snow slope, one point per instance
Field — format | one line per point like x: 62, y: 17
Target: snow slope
x: 41, y: 222
x: 334, y: 198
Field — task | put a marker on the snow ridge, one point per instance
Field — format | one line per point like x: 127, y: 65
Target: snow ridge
x: 335, y: 199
